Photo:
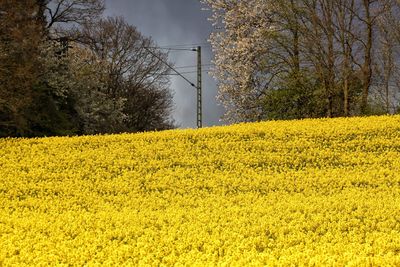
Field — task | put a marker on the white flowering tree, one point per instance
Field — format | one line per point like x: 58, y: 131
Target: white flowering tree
x: 98, y: 111
x: 79, y: 79
x: 258, y: 45
x: 238, y: 44
x: 294, y: 59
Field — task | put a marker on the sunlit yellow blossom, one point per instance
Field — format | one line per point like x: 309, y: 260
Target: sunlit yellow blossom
x: 309, y: 192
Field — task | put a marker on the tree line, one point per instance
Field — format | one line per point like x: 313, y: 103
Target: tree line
x: 288, y: 59
x: 67, y: 70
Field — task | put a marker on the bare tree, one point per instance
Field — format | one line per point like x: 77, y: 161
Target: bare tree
x: 344, y: 28
x: 366, y: 68
x: 59, y: 12
x: 134, y: 73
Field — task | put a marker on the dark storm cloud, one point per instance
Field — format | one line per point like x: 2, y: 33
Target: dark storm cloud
x: 174, y: 22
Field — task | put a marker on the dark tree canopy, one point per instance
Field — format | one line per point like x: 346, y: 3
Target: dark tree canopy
x: 20, y: 66
x: 65, y: 70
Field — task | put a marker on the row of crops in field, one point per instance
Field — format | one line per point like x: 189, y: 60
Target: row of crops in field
x: 309, y: 192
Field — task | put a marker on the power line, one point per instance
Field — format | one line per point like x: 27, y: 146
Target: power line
x: 174, y: 74
x: 188, y: 67
x: 195, y: 71
x: 172, y: 49
x: 183, y: 45
x: 199, y: 76
x: 169, y: 66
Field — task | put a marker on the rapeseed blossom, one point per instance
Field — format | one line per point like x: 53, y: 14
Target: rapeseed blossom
x: 309, y: 192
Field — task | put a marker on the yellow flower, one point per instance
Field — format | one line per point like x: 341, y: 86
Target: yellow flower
x: 309, y: 192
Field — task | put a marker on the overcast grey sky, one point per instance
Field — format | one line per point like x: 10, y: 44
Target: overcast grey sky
x: 177, y: 22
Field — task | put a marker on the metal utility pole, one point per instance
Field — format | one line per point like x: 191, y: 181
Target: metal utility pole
x: 199, y: 101
x: 198, y: 87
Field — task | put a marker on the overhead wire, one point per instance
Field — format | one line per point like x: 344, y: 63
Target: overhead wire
x: 172, y: 68
x: 194, y: 66
x: 199, y: 71
x: 177, y: 48
x: 183, y: 45
x: 173, y: 49
x: 189, y: 72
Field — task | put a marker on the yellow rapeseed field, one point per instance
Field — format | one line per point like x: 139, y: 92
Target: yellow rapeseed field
x: 283, y: 193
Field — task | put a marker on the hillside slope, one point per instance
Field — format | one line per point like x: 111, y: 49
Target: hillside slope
x: 310, y: 192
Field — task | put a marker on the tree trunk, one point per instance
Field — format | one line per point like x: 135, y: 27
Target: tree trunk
x: 367, y: 68
x: 331, y: 57
x: 346, y: 96
x: 296, y: 49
